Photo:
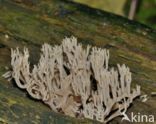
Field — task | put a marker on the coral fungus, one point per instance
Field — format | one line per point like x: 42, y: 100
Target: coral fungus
x: 75, y: 81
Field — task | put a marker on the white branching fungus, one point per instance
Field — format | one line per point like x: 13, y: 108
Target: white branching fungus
x: 75, y: 81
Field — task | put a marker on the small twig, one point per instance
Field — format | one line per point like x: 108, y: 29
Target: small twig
x: 153, y: 93
x: 132, y: 9
x: 144, y: 98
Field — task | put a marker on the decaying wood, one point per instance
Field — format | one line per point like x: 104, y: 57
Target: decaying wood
x: 31, y: 23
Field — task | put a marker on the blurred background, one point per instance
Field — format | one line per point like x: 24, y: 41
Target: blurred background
x: 143, y: 11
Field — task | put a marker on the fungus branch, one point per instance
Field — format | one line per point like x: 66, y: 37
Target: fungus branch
x: 75, y: 81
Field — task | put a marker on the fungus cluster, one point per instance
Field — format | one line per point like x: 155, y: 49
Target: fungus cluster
x: 75, y: 81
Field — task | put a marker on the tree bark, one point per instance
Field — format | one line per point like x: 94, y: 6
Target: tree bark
x: 30, y: 23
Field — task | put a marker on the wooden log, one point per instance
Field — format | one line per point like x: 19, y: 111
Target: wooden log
x: 30, y: 23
